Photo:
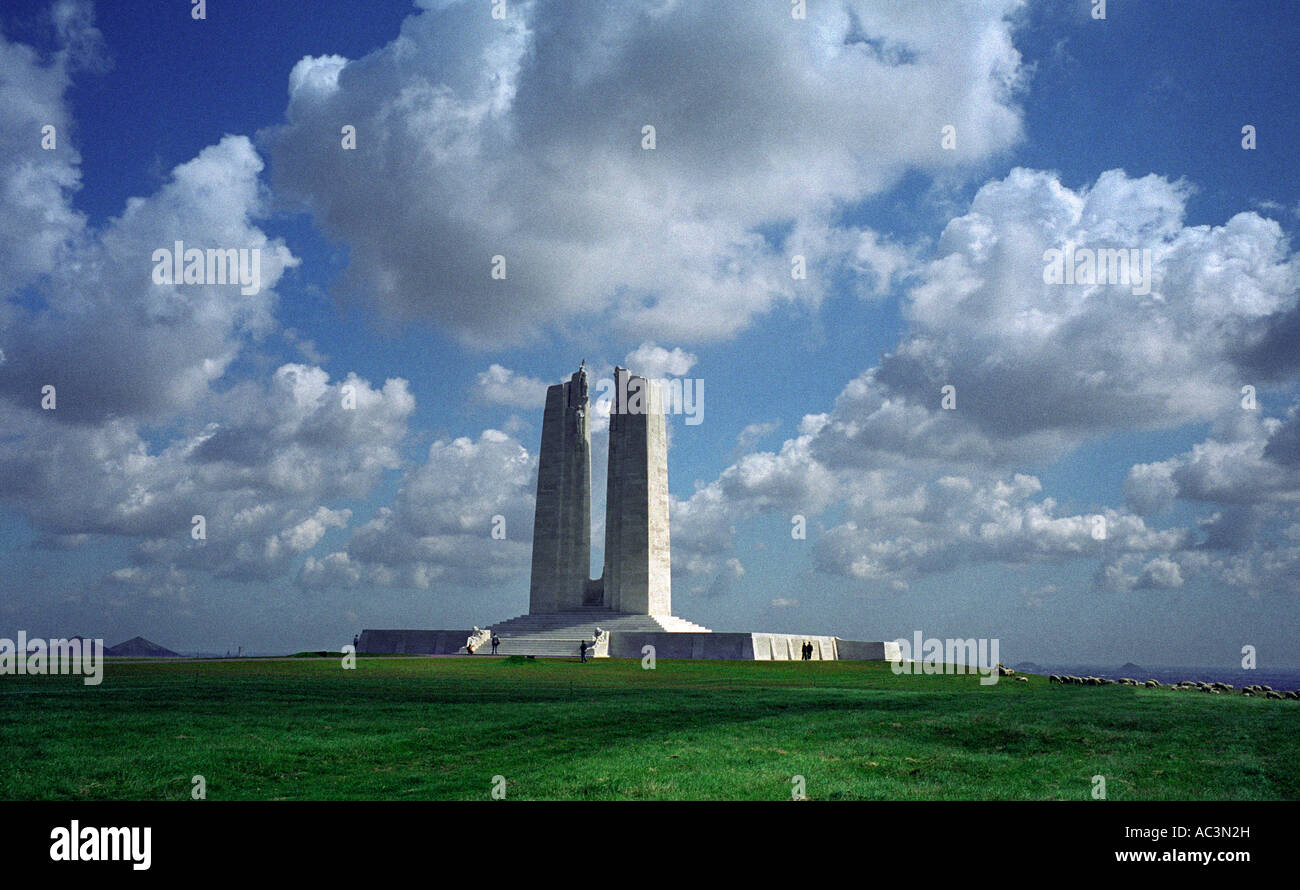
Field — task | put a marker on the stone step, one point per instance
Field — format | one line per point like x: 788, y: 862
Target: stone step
x: 528, y: 641
x: 547, y: 636
x: 606, y: 621
x: 553, y: 648
x: 577, y: 630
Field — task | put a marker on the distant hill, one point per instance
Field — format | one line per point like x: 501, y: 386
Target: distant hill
x: 1131, y: 668
x: 139, y: 647
x: 1029, y: 667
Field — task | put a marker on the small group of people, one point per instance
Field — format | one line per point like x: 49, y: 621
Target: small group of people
x: 807, y: 650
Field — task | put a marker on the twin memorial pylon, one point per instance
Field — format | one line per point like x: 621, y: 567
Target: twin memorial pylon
x: 629, y: 607
x: 637, y: 578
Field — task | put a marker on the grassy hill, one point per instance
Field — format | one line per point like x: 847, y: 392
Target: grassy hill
x: 408, y: 728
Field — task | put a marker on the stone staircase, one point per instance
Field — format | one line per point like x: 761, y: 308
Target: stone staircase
x: 560, y: 634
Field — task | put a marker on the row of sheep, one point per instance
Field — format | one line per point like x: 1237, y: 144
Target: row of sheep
x: 1186, y: 685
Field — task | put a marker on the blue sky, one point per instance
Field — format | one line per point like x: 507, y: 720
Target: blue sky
x: 775, y: 137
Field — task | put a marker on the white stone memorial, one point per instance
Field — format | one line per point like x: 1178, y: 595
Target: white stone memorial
x: 630, y: 605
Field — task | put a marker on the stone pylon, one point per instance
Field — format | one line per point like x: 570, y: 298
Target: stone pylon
x: 638, y: 565
x: 637, y: 578
x: 562, y: 521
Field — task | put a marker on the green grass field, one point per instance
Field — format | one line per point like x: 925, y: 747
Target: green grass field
x: 416, y: 728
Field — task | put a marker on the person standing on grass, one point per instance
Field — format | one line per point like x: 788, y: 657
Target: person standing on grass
x: 496, y: 641
x: 582, y: 652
